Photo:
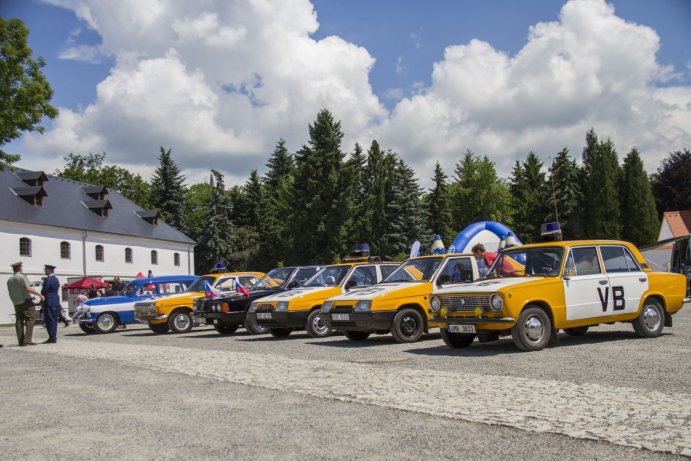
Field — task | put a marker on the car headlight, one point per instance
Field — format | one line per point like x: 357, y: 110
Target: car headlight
x: 253, y: 307
x: 282, y: 306
x: 496, y: 303
x: 326, y: 307
x: 434, y: 304
x: 363, y: 306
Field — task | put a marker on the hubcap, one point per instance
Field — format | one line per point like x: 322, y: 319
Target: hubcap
x: 408, y: 326
x: 319, y: 326
x: 182, y: 321
x: 651, y: 317
x: 534, y: 329
x: 106, y: 322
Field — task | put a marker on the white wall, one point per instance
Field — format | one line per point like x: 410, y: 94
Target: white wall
x: 45, y: 249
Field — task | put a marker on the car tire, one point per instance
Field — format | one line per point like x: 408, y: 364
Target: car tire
x: 106, y: 322
x: 533, y: 330
x: 457, y: 340
x: 159, y: 328
x: 407, y: 326
x: 87, y: 328
x: 315, y: 326
x: 180, y: 321
x: 254, y: 328
x: 576, y: 331
x: 357, y: 335
x: 225, y: 328
x: 280, y: 332
x: 651, y: 321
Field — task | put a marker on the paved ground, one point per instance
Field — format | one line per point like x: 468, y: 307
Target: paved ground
x: 136, y: 395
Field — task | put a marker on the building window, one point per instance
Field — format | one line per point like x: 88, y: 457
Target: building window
x: 65, y: 250
x: 128, y: 255
x: 99, y: 253
x: 24, y: 246
x: 176, y: 259
x: 154, y: 257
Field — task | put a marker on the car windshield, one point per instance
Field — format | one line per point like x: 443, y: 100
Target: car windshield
x: 129, y: 289
x: 328, y: 277
x: 542, y: 261
x: 275, y: 278
x: 415, y: 270
x: 198, y: 284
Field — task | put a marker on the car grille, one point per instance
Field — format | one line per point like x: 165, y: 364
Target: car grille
x: 464, y: 303
x: 265, y: 307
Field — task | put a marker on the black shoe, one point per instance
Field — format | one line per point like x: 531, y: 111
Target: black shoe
x: 30, y: 344
x: 48, y: 341
x: 67, y: 323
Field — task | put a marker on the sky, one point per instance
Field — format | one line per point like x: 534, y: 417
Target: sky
x: 219, y: 82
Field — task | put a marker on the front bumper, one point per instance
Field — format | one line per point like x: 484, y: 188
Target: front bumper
x: 212, y: 318
x: 483, y: 323
x: 360, y: 321
x: 282, y: 319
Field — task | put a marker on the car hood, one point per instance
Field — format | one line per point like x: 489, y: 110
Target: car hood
x: 109, y: 300
x: 387, y: 290
x: 488, y: 285
x: 300, y: 293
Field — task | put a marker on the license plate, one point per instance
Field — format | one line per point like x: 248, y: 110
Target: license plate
x: 340, y: 316
x: 264, y: 315
x: 461, y: 329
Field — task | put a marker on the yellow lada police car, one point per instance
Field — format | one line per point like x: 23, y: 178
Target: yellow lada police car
x: 174, y: 312
x: 533, y: 291
x: 399, y: 304
x: 300, y: 308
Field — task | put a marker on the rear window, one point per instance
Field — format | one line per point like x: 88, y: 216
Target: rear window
x: 618, y: 259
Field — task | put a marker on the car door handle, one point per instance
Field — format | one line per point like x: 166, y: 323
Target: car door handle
x: 602, y: 282
x: 642, y: 279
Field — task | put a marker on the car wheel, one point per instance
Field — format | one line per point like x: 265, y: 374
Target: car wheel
x: 87, y: 328
x: 106, y: 322
x: 407, y: 326
x: 254, y: 328
x: 457, y: 340
x: 180, y: 321
x: 576, y: 331
x: 315, y: 326
x: 357, y: 335
x: 225, y: 329
x: 651, y: 321
x: 533, y: 330
x: 159, y: 328
x: 280, y: 332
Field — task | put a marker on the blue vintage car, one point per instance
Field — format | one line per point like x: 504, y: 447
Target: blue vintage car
x: 103, y: 315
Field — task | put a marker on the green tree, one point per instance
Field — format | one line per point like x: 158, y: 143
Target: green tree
x: 25, y: 93
x: 196, y: 206
x: 529, y: 198
x: 602, y: 176
x: 280, y: 164
x: 249, y: 224
x: 217, y: 239
x: 478, y: 194
x: 168, y: 190
x: 565, y: 195
x: 438, y: 206
x: 639, y: 215
x: 91, y: 170
x: 319, y: 206
x: 377, y: 187
x: 672, y: 183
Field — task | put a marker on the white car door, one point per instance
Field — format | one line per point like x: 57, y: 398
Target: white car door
x: 586, y: 287
x: 626, y: 279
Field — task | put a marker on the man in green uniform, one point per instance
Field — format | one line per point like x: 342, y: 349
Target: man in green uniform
x: 20, y: 291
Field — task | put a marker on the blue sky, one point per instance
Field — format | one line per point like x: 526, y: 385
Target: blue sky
x: 417, y: 76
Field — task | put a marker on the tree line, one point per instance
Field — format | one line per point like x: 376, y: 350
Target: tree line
x: 313, y: 205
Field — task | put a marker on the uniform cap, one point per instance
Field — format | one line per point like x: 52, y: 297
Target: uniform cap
x: 49, y: 266
x: 17, y: 264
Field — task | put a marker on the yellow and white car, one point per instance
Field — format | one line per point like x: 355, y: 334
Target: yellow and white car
x: 175, y: 312
x: 399, y: 304
x: 533, y: 291
x: 300, y: 308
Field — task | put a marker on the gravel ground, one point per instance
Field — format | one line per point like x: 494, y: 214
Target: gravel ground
x: 257, y: 397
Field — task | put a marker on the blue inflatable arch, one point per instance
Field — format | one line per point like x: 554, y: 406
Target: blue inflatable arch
x: 466, y: 235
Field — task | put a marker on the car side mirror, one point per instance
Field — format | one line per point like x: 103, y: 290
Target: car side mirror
x: 443, y: 279
x: 350, y: 284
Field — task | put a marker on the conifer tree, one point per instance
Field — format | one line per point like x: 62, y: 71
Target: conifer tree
x: 359, y: 223
x: 639, y: 215
x: 168, y: 190
x: 217, y: 240
x: 565, y: 195
x: 280, y: 165
x: 380, y: 166
x: 529, y: 197
x: 672, y: 183
x: 439, y: 211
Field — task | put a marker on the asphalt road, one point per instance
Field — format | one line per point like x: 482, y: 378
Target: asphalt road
x: 136, y: 395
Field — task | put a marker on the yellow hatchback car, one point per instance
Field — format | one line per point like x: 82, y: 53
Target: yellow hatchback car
x: 175, y: 312
x: 533, y: 291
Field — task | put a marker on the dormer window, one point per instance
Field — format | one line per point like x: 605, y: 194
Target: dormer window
x: 32, y: 178
x: 97, y: 193
x: 31, y: 194
x: 150, y: 216
x: 100, y: 207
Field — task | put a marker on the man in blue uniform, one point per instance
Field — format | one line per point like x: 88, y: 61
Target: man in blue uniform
x: 51, y: 307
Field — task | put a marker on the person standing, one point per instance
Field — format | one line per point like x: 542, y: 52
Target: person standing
x: 51, y: 306
x: 20, y: 291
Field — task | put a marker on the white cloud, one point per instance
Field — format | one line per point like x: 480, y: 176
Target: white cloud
x: 220, y: 82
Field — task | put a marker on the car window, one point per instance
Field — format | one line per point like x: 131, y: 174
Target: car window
x: 248, y: 280
x: 198, y: 284
x: 363, y: 276
x: 618, y: 259
x: 387, y: 269
x: 328, y: 277
x: 457, y: 270
x: 415, y: 270
x: 226, y: 284
x: 583, y: 261
x: 304, y: 274
x: 172, y: 287
x: 147, y: 290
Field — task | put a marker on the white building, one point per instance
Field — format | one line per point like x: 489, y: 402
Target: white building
x: 83, y: 230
